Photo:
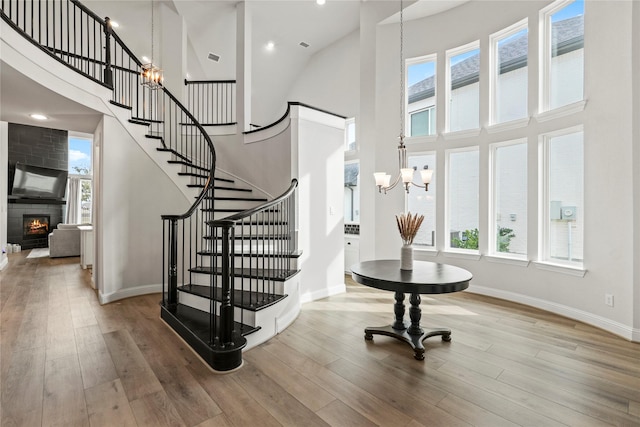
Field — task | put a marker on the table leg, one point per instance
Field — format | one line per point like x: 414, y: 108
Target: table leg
x: 413, y: 334
x: 415, y: 314
x: 398, y: 309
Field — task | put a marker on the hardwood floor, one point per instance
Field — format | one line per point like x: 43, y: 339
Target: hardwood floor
x: 67, y: 361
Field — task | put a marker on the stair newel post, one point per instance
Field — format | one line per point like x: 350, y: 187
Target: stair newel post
x: 172, y: 299
x: 108, y: 73
x: 226, y: 303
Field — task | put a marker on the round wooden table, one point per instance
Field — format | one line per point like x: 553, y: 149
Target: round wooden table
x: 425, y: 278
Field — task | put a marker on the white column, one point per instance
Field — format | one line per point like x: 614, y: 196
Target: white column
x: 171, y: 46
x: 243, y: 66
x: 4, y: 165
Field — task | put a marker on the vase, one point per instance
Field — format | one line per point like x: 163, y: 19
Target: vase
x: 406, y: 257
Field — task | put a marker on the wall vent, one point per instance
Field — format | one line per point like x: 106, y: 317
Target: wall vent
x: 304, y: 44
x: 213, y: 57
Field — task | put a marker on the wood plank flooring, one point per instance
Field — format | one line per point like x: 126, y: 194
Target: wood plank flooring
x: 67, y: 361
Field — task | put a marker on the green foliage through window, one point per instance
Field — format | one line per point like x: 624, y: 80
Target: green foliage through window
x: 469, y: 239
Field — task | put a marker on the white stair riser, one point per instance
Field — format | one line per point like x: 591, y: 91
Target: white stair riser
x: 253, y: 262
x: 240, y: 205
x: 241, y: 283
x: 261, y: 318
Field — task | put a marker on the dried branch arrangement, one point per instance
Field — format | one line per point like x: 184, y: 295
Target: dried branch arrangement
x: 408, y: 226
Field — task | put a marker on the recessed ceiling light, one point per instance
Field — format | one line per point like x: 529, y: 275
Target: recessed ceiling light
x: 304, y: 44
x: 212, y: 56
x: 114, y: 24
x: 38, y: 116
x: 320, y: 2
x: 270, y: 45
x: 145, y: 59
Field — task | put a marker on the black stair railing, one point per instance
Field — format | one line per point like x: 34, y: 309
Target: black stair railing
x: 254, y: 252
x: 212, y: 102
x: 77, y: 37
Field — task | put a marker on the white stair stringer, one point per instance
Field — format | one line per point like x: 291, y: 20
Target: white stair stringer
x: 149, y: 145
x: 272, y: 319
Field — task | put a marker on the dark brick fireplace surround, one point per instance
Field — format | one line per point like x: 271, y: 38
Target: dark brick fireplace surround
x: 40, y: 147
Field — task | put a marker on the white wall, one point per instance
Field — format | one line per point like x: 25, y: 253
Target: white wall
x: 635, y: 38
x: 608, y: 143
x: 318, y: 140
x: 4, y: 176
x: 249, y: 160
x: 134, y: 193
x: 329, y: 81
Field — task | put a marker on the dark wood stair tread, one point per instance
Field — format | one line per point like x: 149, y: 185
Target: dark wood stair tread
x: 197, y: 321
x: 175, y: 153
x: 291, y: 255
x: 255, y: 236
x: 249, y: 273
x: 253, y: 301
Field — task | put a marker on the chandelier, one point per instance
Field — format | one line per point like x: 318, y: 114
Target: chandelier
x: 151, y: 75
x: 383, y: 180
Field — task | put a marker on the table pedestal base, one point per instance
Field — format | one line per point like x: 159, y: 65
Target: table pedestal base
x: 411, y: 333
x: 414, y: 340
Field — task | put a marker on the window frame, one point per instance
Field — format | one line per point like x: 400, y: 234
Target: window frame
x: 492, y: 251
x: 494, y: 72
x: 347, y: 162
x: 432, y: 110
x: 544, y: 216
x: 432, y: 57
x: 447, y: 200
x: 432, y: 186
x: 450, y: 53
x: 544, y: 52
x: 348, y: 122
x: 83, y: 177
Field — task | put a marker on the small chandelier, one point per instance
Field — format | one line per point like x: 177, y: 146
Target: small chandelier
x: 383, y: 180
x: 151, y: 75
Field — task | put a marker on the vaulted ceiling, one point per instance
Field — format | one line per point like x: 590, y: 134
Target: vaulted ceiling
x: 211, y: 27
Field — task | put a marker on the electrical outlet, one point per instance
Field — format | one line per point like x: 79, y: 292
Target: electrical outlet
x: 608, y: 299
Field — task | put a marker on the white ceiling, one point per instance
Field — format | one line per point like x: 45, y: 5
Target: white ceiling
x: 211, y: 26
x: 21, y: 96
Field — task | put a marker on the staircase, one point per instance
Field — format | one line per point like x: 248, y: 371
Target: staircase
x: 230, y: 261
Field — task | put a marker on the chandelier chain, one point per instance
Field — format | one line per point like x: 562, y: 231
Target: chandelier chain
x: 152, y: 32
x: 401, y: 73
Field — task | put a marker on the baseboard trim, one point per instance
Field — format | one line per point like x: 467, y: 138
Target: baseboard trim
x: 609, y: 325
x: 323, y: 293
x: 128, y: 293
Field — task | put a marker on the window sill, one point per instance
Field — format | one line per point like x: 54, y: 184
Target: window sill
x: 565, y: 110
x: 522, y: 262
x: 475, y: 256
x: 513, y: 124
x: 421, y: 139
x: 469, y: 133
x: 560, y: 268
x: 425, y: 250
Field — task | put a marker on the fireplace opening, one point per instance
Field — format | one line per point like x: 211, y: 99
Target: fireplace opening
x: 35, y: 226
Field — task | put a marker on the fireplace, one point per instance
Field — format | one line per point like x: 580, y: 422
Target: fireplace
x: 35, y: 226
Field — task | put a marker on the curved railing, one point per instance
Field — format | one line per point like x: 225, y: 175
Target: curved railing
x: 286, y: 115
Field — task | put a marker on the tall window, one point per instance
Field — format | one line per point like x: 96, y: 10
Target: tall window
x: 509, y: 73
x: 462, y: 198
x: 463, y: 87
x: 421, y: 95
x: 350, y: 134
x: 563, y: 197
x: 80, y: 185
x: 508, y: 226
x: 352, y: 192
x: 563, y: 54
x: 424, y: 202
